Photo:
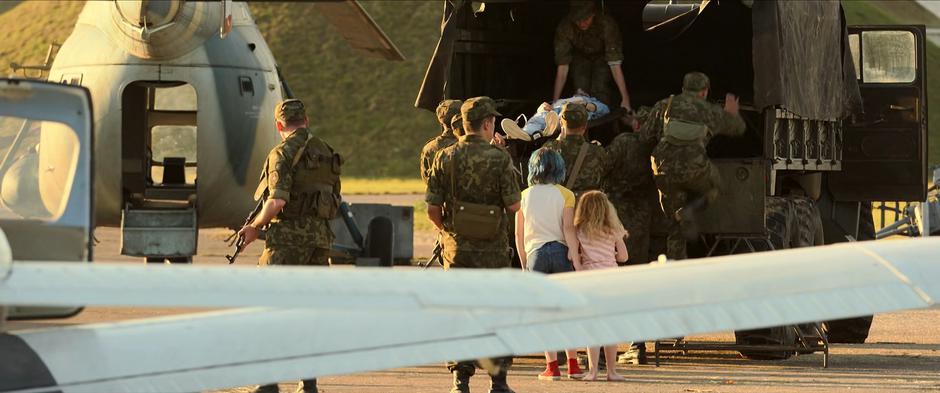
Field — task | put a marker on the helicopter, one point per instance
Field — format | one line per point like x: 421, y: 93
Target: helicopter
x: 183, y: 93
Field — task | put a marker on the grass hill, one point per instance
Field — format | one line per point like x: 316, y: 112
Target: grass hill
x: 362, y: 106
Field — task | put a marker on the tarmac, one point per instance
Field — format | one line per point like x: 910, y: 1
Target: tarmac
x: 902, y: 353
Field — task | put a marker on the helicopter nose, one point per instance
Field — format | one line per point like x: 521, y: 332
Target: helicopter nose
x: 158, y: 30
x: 148, y: 14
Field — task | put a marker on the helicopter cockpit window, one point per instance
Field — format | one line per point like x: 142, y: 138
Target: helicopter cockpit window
x: 26, y: 146
x: 173, y: 136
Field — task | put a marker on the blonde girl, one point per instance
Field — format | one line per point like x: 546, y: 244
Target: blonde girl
x: 601, y: 237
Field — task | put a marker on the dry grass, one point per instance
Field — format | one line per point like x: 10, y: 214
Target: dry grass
x: 382, y: 186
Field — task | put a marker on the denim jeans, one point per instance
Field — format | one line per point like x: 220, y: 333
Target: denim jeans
x: 552, y: 257
x: 537, y: 122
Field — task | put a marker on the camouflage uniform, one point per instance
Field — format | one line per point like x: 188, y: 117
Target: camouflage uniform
x: 484, y: 175
x: 684, y: 168
x: 591, y: 174
x: 630, y: 187
x: 446, y: 111
x: 590, y: 52
x: 300, y: 234
x: 307, y: 179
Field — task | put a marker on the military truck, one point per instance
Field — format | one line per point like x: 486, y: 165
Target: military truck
x: 836, y: 114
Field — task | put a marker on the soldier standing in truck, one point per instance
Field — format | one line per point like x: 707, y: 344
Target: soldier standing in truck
x: 589, y: 47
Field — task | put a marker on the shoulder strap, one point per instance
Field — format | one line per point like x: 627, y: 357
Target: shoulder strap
x: 668, y: 105
x: 577, y: 165
x: 453, y: 177
x: 300, y: 152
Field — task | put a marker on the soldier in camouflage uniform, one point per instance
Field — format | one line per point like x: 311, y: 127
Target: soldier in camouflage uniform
x: 485, y: 177
x: 591, y: 174
x: 446, y: 111
x: 589, y: 44
x: 301, y: 177
x: 456, y: 124
x: 630, y: 188
x: 684, y: 124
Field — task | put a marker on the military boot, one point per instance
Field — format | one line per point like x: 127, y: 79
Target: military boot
x: 498, y: 383
x: 461, y: 382
x: 307, y: 386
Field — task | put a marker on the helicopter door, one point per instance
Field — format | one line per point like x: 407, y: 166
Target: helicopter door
x: 885, y: 151
x: 159, y: 146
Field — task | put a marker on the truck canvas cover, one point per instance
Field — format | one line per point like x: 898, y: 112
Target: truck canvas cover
x: 792, y: 54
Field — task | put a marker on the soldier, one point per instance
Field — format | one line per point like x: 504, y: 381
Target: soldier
x: 301, y: 176
x: 585, y: 162
x: 474, y: 227
x: 446, y: 111
x: 456, y: 124
x: 590, y: 46
x: 683, y: 124
x: 630, y: 187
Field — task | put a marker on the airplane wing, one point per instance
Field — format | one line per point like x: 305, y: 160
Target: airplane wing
x: 105, y: 284
x: 249, y: 346
x: 359, y: 29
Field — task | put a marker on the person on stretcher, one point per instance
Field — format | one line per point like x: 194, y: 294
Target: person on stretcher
x: 545, y: 121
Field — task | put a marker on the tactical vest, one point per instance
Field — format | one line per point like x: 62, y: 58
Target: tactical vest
x: 314, y: 191
x: 682, y: 133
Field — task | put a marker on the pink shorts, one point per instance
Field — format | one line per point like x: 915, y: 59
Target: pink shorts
x: 598, y: 265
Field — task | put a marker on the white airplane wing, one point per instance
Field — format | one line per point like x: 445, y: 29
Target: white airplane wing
x: 104, y: 284
x: 249, y: 346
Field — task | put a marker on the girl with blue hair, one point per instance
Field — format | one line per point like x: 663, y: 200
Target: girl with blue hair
x: 545, y: 234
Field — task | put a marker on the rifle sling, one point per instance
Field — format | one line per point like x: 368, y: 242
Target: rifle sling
x: 577, y: 166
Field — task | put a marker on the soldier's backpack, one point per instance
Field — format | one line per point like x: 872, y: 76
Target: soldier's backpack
x: 472, y: 220
x: 679, y: 132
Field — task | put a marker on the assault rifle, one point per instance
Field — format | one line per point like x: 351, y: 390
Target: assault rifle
x: 239, y: 243
x: 436, y: 255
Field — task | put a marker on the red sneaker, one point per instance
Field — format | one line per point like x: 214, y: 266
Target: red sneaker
x: 551, y: 373
x: 574, y: 370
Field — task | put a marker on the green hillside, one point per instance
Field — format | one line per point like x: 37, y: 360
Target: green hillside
x: 29, y: 27
x: 363, y: 106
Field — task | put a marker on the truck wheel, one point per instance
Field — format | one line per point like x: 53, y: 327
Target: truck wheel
x: 792, y: 222
x: 851, y: 330
x: 379, y: 239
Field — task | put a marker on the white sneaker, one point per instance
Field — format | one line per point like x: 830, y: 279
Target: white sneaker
x: 512, y: 130
x: 551, y: 123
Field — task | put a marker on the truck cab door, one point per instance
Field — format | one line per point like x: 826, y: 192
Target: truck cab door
x: 45, y: 180
x: 885, y: 149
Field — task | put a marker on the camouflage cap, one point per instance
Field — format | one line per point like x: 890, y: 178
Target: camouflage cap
x: 695, y: 81
x: 289, y: 111
x: 574, y: 115
x: 478, y: 108
x: 456, y: 124
x: 447, y: 109
x: 580, y: 10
